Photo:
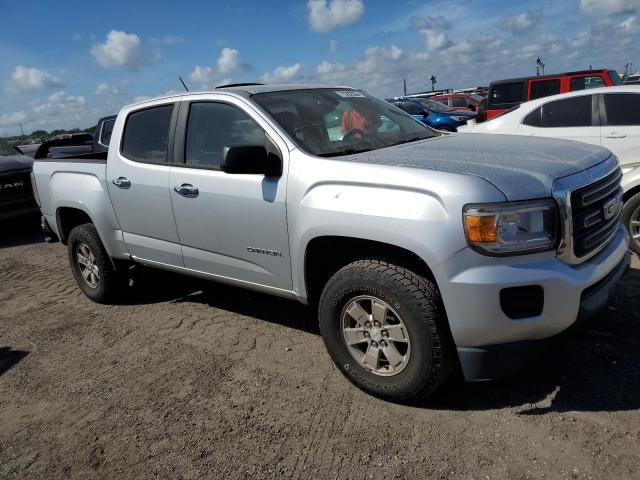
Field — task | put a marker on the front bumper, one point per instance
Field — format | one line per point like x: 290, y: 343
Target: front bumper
x: 471, y: 283
x: 495, y: 361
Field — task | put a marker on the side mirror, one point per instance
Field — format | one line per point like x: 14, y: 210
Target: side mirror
x: 471, y: 107
x: 424, y: 113
x: 251, y: 159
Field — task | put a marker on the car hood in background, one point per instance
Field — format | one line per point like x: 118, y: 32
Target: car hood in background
x: 523, y: 168
x: 15, y: 162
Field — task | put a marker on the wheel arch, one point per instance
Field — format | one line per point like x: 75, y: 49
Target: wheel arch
x: 319, y: 266
x: 67, y: 218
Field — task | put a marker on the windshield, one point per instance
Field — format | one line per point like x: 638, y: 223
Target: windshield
x: 333, y: 122
x: 6, y: 149
x: 433, y: 105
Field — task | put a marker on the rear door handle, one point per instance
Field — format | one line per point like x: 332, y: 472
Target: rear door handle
x: 187, y: 190
x: 615, y: 135
x: 121, y: 182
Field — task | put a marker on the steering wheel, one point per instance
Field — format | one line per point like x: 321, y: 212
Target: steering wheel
x: 352, y: 134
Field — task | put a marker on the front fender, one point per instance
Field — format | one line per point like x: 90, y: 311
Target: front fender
x: 417, y: 210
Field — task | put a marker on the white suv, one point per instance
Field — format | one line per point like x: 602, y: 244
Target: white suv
x: 609, y: 117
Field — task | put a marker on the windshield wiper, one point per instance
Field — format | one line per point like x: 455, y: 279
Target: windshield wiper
x: 409, y: 140
x: 349, y: 151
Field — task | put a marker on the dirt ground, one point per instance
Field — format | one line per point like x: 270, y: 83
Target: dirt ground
x: 189, y: 379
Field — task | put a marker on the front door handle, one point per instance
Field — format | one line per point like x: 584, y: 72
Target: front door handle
x: 615, y: 135
x: 187, y: 190
x: 121, y: 182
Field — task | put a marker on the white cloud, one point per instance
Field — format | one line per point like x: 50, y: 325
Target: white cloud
x: 228, y: 61
x: 326, y: 68
x: 326, y: 15
x: 629, y: 25
x: 12, y: 119
x: 430, y: 23
x: 120, y: 50
x: 202, y: 74
x: 282, y: 74
x: 609, y: 7
x: 62, y: 111
x: 106, y: 89
x: 435, y: 40
x: 26, y: 79
x: 333, y: 45
x: 524, y: 21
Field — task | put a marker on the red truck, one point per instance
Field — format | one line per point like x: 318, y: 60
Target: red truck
x: 506, y: 94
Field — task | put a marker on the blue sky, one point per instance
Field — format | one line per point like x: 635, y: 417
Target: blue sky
x: 64, y: 64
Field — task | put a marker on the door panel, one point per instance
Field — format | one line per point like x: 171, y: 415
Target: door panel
x: 621, y: 129
x: 236, y: 225
x: 139, y: 189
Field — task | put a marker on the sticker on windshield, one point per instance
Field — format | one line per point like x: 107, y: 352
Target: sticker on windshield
x: 350, y: 93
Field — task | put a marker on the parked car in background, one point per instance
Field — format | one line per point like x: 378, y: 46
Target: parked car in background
x: 632, y: 79
x: 609, y: 117
x: 79, y: 144
x: 426, y: 253
x: 433, y: 114
x: 506, y: 94
x: 468, y: 102
x: 16, y: 194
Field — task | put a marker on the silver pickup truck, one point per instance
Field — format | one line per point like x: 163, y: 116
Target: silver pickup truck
x: 425, y: 252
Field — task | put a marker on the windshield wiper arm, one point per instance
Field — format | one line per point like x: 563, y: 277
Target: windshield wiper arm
x: 349, y: 151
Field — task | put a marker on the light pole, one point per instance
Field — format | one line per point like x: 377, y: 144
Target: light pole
x: 539, y: 66
x: 433, y: 80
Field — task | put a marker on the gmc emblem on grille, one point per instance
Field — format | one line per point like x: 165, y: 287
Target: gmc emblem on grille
x: 610, y: 209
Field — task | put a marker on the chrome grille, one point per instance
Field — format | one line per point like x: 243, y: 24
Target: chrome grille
x: 591, y: 207
x: 593, y: 223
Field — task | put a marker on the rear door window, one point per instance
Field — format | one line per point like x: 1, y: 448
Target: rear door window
x: 146, y: 134
x: 570, y: 112
x: 506, y: 93
x: 622, y: 109
x: 460, y: 102
x: 412, y: 108
x: 544, y: 88
x: 584, y: 83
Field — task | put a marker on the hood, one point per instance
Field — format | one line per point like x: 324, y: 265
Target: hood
x: 523, y: 168
x: 10, y: 163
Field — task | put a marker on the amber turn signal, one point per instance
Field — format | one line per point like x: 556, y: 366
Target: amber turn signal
x: 481, y: 228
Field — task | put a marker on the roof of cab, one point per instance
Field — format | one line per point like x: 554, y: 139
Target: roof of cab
x: 245, y: 90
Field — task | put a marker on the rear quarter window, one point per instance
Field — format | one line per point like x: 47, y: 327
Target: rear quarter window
x: 544, y: 88
x: 146, y: 134
x: 507, y: 93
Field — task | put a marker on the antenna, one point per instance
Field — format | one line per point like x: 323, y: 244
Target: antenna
x: 183, y: 84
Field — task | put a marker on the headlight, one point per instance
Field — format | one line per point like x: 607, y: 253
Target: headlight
x: 459, y: 119
x: 629, y: 167
x: 511, y: 228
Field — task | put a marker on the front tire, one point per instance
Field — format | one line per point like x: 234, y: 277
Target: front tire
x: 446, y: 128
x: 92, y: 267
x: 385, y: 328
x: 631, y: 219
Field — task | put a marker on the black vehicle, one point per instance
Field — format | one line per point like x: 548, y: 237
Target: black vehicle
x: 16, y: 194
x: 79, y: 145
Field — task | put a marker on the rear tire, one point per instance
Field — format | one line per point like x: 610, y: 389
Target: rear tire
x: 92, y: 267
x: 408, y: 359
x: 631, y: 219
x: 446, y: 128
